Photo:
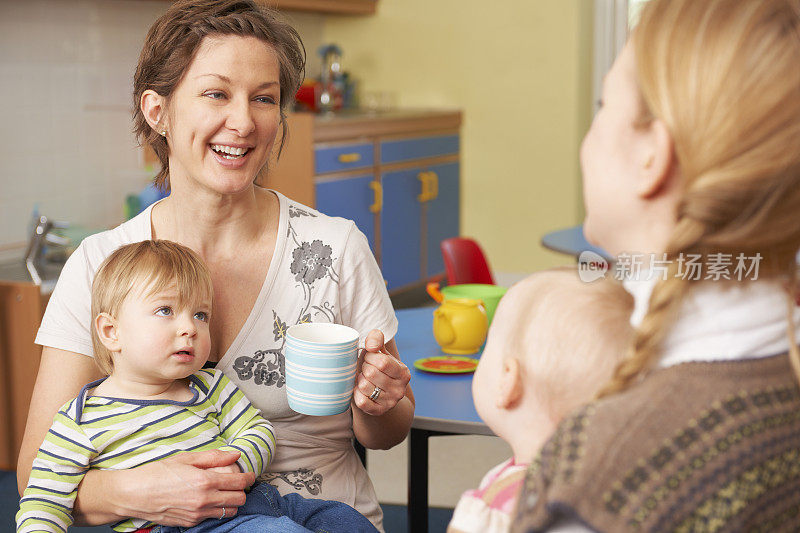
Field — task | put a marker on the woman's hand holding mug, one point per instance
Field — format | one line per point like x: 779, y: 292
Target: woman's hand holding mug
x: 383, y: 378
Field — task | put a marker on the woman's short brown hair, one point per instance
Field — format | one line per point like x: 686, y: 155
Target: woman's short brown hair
x: 173, y: 41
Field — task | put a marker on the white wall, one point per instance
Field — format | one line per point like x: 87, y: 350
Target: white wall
x: 65, y: 84
x: 66, y: 77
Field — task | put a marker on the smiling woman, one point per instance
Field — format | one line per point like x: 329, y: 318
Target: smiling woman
x: 162, y: 64
x: 230, y: 112
x: 213, y: 81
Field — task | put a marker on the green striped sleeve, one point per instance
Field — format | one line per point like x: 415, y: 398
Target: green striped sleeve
x: 57, y: 470
x: 243, y: 428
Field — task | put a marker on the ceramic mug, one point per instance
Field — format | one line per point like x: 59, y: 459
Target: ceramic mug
x: 321, y: 360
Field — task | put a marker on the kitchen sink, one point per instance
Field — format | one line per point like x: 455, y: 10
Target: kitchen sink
x: 16, y: 271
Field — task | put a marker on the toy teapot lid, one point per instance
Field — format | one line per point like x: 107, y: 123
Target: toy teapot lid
x: 464, y: 302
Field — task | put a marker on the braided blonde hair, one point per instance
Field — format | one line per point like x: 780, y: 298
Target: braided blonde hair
x: 723, y: 77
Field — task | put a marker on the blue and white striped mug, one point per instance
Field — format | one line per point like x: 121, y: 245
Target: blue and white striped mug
x: 321, y: 360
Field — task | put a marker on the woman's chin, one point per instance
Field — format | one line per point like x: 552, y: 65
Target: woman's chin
x: 589, y: 232
x: 597, y: 238
x: 229, y: 183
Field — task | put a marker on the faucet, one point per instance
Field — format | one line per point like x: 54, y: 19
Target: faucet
x: 40, y: 237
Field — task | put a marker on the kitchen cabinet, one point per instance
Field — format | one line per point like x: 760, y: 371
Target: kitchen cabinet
x: 395, y: 174
x: 336, y: 7
x: 351, y: 198
x: 21, y: 309
x: 442, y: 219
x: 401, y: 228
x: 421, y: 208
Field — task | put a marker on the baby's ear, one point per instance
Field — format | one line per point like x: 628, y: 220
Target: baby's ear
x: 510, y: 392
x: 106, y: 328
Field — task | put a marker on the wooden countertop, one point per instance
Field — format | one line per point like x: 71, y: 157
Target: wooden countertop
x: 17, y: 272
x: 351, y: 124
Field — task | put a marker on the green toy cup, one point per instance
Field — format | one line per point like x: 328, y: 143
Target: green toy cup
x: 490, y: 294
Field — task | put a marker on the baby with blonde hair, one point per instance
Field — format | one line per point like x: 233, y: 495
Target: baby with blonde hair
x: 142, y: 270
x: 151, y: 303
x: 553, y: 343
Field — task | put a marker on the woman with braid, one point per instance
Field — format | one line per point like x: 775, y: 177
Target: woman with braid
x: 694, y: 159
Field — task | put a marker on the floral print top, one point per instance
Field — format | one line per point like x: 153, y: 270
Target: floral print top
x: 322, y: 270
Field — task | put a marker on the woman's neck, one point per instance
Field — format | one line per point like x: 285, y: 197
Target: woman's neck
x: 215, y: 225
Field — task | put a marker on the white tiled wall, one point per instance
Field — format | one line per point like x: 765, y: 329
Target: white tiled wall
x: 65, y: 84
x: 66, y: 69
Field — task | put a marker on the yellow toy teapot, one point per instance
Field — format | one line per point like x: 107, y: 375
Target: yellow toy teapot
x: 460, y: 325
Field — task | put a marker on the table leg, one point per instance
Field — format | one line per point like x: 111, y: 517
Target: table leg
x: 418, y: 478
x: 418, y: 481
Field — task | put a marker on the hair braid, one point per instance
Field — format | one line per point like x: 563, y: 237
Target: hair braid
x: 647, y: 338
x: 661, y: 312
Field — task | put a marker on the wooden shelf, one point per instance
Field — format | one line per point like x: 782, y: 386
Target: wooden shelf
x: 354, y: 124
x: 340, y: 7
x: 332, y: 7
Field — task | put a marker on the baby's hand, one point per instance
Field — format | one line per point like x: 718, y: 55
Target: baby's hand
x: 228, y: 469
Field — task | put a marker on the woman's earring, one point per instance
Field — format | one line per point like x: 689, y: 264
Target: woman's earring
x: 164, y: 133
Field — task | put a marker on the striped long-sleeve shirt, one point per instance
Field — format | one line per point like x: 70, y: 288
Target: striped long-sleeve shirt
x: 116, y: 434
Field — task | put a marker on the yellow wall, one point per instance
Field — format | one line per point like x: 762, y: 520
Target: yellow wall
x: 521, y: 72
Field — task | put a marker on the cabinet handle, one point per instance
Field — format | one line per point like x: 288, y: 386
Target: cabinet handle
x: 349, y: 158
x: 434, y: 194
x: 377, y: 189
x: 425, y: 187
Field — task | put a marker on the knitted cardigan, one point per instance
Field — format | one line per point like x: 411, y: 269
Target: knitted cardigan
x: 711, y: 446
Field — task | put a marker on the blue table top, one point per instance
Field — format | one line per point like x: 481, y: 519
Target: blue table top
x: 570, y: 241
x: 443, y: 401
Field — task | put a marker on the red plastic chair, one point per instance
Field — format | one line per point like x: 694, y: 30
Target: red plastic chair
x: 465, y: 262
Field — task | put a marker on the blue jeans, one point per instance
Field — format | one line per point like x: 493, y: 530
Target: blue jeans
x: 266, y: 511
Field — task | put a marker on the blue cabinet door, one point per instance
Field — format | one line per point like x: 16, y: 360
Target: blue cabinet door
x: 349, y: 198
x: 442, y: 215
x: 401, y: 228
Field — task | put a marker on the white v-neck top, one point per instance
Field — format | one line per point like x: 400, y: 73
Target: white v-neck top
x: 322, y: 270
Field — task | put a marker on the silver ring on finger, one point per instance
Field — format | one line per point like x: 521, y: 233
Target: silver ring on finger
x: 375, y: 393
x: 223, y: 513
